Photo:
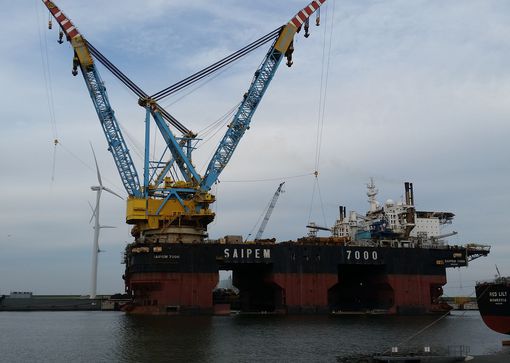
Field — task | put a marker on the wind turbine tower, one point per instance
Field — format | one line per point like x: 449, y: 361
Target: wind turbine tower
x: 97, y: 227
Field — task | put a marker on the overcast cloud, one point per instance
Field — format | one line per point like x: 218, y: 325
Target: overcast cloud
x: 417, y: 91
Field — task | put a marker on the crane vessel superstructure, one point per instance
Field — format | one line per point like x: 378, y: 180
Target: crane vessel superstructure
x: 174, y: 207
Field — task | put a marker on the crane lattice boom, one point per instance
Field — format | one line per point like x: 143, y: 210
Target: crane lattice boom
x: 174, y: 202
x: 269, y: 211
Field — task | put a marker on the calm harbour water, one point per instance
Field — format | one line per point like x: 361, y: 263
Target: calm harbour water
x: 112, y: 336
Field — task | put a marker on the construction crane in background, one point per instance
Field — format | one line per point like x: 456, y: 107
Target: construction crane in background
x: 269, y: 211
x: 172, y: 202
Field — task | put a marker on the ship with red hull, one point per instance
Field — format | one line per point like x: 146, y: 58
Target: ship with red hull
x: 370, y: 264
x: 494, y: 304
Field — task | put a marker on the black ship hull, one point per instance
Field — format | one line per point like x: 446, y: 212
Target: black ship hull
x: 494, y: 305
x: 290, y: 277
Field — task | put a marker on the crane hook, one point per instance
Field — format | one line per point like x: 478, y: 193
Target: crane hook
x: 318, y: 17
x: 75, y: 66
x: 288, y: 54
x: 307, y: 27
x: 60, y: 37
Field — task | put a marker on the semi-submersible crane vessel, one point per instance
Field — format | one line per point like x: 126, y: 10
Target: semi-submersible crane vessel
x: 391, y: 260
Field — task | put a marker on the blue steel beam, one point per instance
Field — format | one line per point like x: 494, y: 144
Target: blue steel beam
x: 242, y: 119
x: 116, y: 143
x: 260, y: 82
x: 181, y: 158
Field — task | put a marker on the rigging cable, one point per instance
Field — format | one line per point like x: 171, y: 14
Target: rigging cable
x: 114, y: 184
x: 215, y: 66
x: 115, y: 71
x: 218, y: 124
x: 45, y: 62
x: 186, y: 81
x: 183, y: 83
x: 135, y: 145
x: 448, y: 313
x: 210, y: 131
x: 133, y: 87
x: 258, y: 220
x: 268, y: 179
x: 323, y: 93
x: 326, y: 57
x: 54, y: 161
x: 196, y: 88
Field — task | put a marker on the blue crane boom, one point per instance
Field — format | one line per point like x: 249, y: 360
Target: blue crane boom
x: 242, y: 119
x: 261, y: 80
x: 171, y: 206
x: 116, y: 143
x: 97, y: 91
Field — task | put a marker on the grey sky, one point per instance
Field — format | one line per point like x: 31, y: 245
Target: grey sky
x: 417, y: 91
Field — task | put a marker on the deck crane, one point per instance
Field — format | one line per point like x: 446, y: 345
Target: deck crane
x: 269, y: 211
x: 171, y: 206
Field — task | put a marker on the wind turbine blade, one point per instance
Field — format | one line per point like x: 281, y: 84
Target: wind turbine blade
x: 111, y: 192
x: 93, y: 212
x: 97, y: 167
x: 107, y: 227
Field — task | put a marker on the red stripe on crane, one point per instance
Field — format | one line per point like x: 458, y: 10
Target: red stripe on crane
x: 302, y: 16
x: 296, y: 22
x: 306, y: 12
x: 73, y: 32
x: 69, y: 28
x: 63, y: 20
x: 309, y: 10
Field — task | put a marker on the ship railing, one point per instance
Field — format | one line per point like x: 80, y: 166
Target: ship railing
x: 411, y: 244
x: 475, y: 251
x: 478, y: 248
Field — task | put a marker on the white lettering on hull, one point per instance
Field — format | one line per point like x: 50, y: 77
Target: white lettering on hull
x: 247, y: 253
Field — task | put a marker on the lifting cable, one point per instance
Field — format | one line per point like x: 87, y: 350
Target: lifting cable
x: 45, y: 62
x: 211, y: 130
x: 133, y: 87
x: 183, y: 83
x: 194, y: 89
x: 215, y: 66
x: 114, y: 184
x: 326, y: 57
x: 217, y: 125
x: 268, y: 179
x: 187, y: 81
x: 264, y: 211
x: 115, y: 71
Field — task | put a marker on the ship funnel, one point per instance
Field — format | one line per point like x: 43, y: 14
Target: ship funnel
x: 343, y: 213
x: 410, y: 215
x: 409, y: 193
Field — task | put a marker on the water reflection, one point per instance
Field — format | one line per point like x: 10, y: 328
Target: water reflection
x: 164, y: 338
x: 297, y: 338
x: 111, y: 336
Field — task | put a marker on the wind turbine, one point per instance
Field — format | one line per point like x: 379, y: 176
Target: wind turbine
x: 97, y: 227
